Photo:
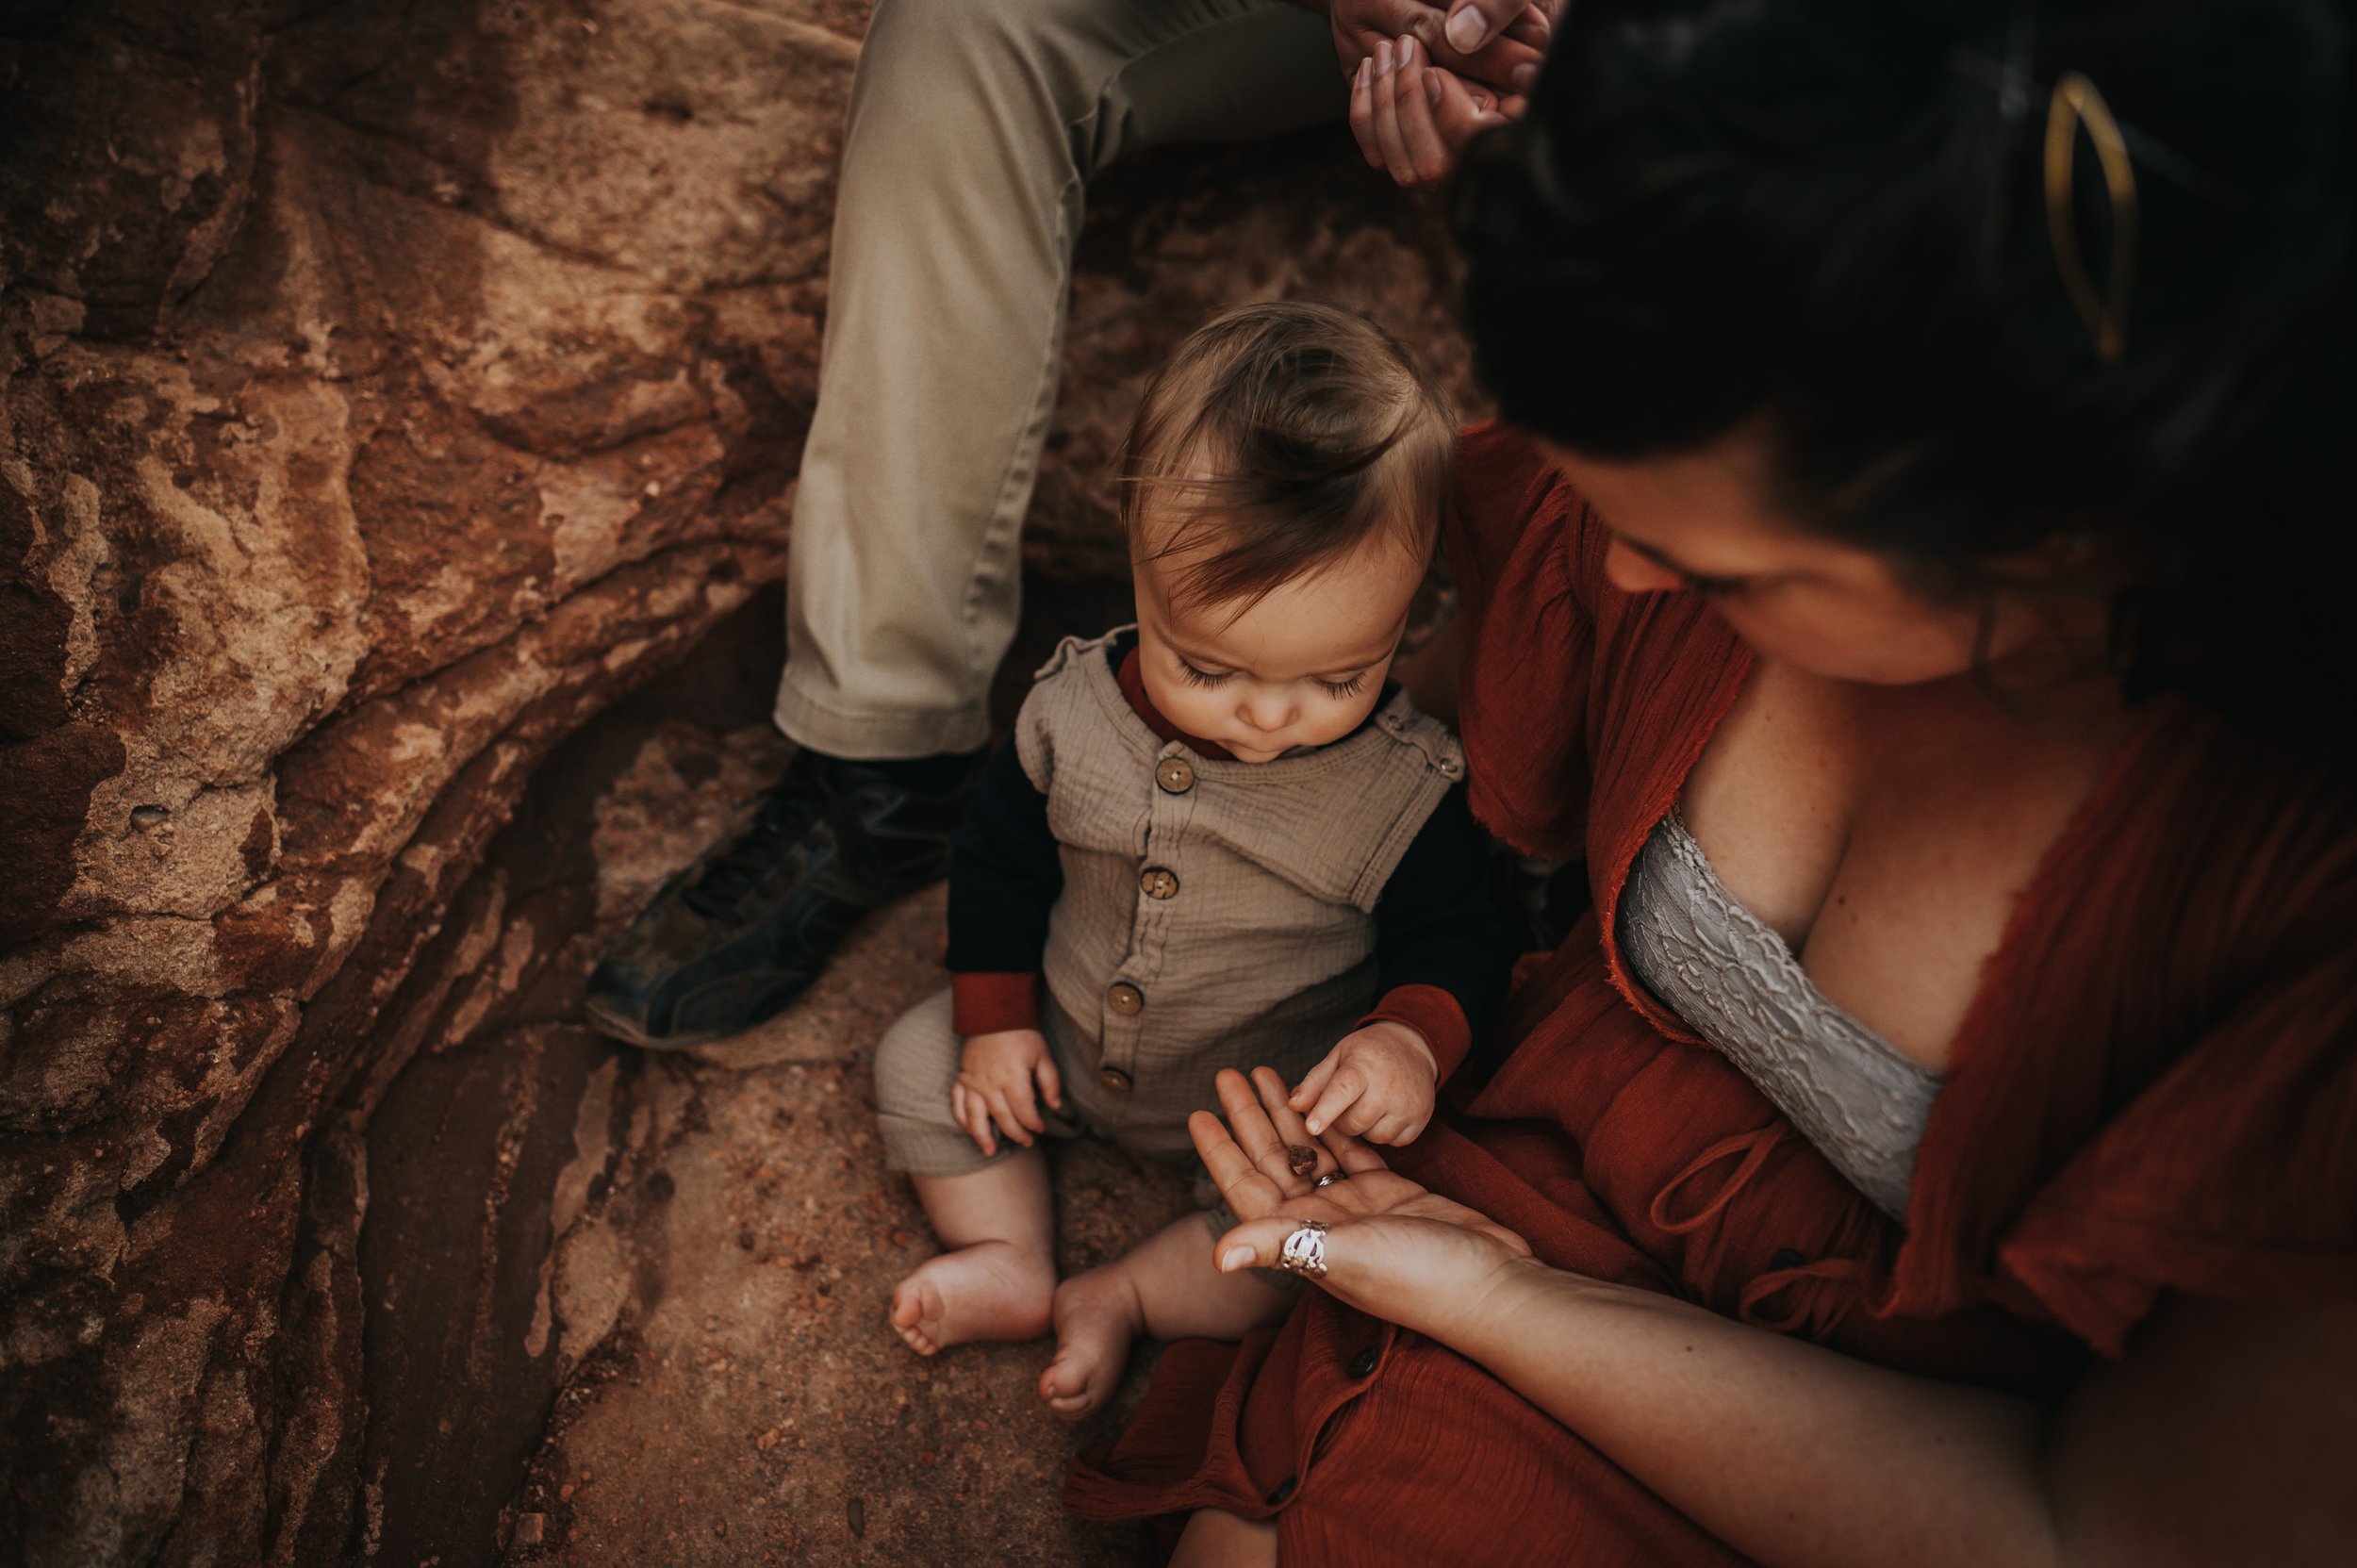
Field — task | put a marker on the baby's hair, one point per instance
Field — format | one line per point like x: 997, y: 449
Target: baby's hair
x: 1280, y: 438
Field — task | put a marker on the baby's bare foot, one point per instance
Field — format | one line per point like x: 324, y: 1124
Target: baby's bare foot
x: 991, y: 1289
x: 1097, y: 1314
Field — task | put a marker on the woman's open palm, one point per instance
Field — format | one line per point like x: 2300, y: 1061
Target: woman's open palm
x: 1395, y: 1249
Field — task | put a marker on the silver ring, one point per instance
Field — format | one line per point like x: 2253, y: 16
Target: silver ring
x: 1330, y: 1178
x: 1304, y: 1252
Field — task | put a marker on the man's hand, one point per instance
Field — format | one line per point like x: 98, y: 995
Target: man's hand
x: 1504, y: 54
x: 1413, y: 118
x: 1377, y: 1084
x: 994, y: 1091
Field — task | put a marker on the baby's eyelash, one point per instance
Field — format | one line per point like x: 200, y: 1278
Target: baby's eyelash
x: 1346, y: 688
x: 1198, y: 678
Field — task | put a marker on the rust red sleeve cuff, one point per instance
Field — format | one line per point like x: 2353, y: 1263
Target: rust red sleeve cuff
x: 986, y: 1003
x: 1432, y: 1013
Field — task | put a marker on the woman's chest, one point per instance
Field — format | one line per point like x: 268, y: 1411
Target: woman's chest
x: 1887, y: 834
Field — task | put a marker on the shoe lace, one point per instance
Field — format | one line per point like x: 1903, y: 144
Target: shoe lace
x: 741, y: 867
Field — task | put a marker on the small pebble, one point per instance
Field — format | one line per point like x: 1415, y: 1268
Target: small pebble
x: 148, y: 818
x: 528, y: 1528
x: 857, y: 1514
x: 1302, y: 1158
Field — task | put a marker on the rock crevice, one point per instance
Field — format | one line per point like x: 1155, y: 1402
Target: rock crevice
x: 388, y: 390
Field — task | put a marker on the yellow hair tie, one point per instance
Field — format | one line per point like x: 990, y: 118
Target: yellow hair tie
x: 2076, y: 103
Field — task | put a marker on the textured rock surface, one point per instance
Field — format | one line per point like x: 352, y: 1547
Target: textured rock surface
x: 388, y: 388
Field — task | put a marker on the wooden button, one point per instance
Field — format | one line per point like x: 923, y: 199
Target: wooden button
x: 1124, y: 998
x: 1174, y: 776
x: 1159, y: 881
x: 1113, y: 1079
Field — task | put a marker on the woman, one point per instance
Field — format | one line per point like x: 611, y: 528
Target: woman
x: 1912, y: 583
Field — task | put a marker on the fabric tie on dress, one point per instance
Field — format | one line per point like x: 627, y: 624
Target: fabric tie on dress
x: 1754, y: 1147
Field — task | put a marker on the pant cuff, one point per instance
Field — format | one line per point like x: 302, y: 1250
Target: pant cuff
x: 877, y: 736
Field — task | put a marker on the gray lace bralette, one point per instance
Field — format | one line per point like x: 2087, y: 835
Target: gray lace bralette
x: 1737, y: 985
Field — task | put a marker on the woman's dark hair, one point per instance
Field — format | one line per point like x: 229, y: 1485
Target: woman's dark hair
x: 1830, y: 218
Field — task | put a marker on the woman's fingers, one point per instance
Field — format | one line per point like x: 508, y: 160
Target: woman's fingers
x: 1387, y: 115
x: 1248, y: 1190
x: 1257, y: 1135
x: 1362, y: 113
x: 1422, y: 87
x: 1300, y: 1176
x: 1258, y: 1244
x: 1353, y: 1156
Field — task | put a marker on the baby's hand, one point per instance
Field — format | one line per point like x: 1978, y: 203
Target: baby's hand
x: 995, y: 1086
x: 1377, y: 1084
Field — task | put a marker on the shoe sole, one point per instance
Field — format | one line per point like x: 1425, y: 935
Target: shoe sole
x: 622, y: 1029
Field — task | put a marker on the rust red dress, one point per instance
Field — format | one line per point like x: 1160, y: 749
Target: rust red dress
x: 2155, y: 1090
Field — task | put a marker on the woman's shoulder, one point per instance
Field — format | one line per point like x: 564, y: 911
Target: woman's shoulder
x: 1511, y: 510
x: 2224, y: 1161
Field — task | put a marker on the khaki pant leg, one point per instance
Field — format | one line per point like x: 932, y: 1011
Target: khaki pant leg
x: 974, y: 125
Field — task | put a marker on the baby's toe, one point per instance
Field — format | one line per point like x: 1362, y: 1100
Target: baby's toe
x: 916, y: 1313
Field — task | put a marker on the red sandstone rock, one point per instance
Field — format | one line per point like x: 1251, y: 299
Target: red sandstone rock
x: 387, y: 390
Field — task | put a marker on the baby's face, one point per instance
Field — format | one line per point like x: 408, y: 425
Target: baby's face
x: 1303, y: 666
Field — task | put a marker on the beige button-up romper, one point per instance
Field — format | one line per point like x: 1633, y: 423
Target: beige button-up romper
x: 1214, y: 914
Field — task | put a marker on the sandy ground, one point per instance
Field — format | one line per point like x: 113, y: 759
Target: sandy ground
x: 748, y: 1403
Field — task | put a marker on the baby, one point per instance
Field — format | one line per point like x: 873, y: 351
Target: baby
x: 1218, y: 839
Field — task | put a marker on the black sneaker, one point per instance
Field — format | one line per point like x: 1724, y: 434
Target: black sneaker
x: 739, y: 933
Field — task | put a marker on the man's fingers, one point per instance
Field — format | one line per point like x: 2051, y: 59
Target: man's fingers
x: 1341, y: 1092
x: 1472, y: 23
x: 1459, y: 114
x: 1505, y: 63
